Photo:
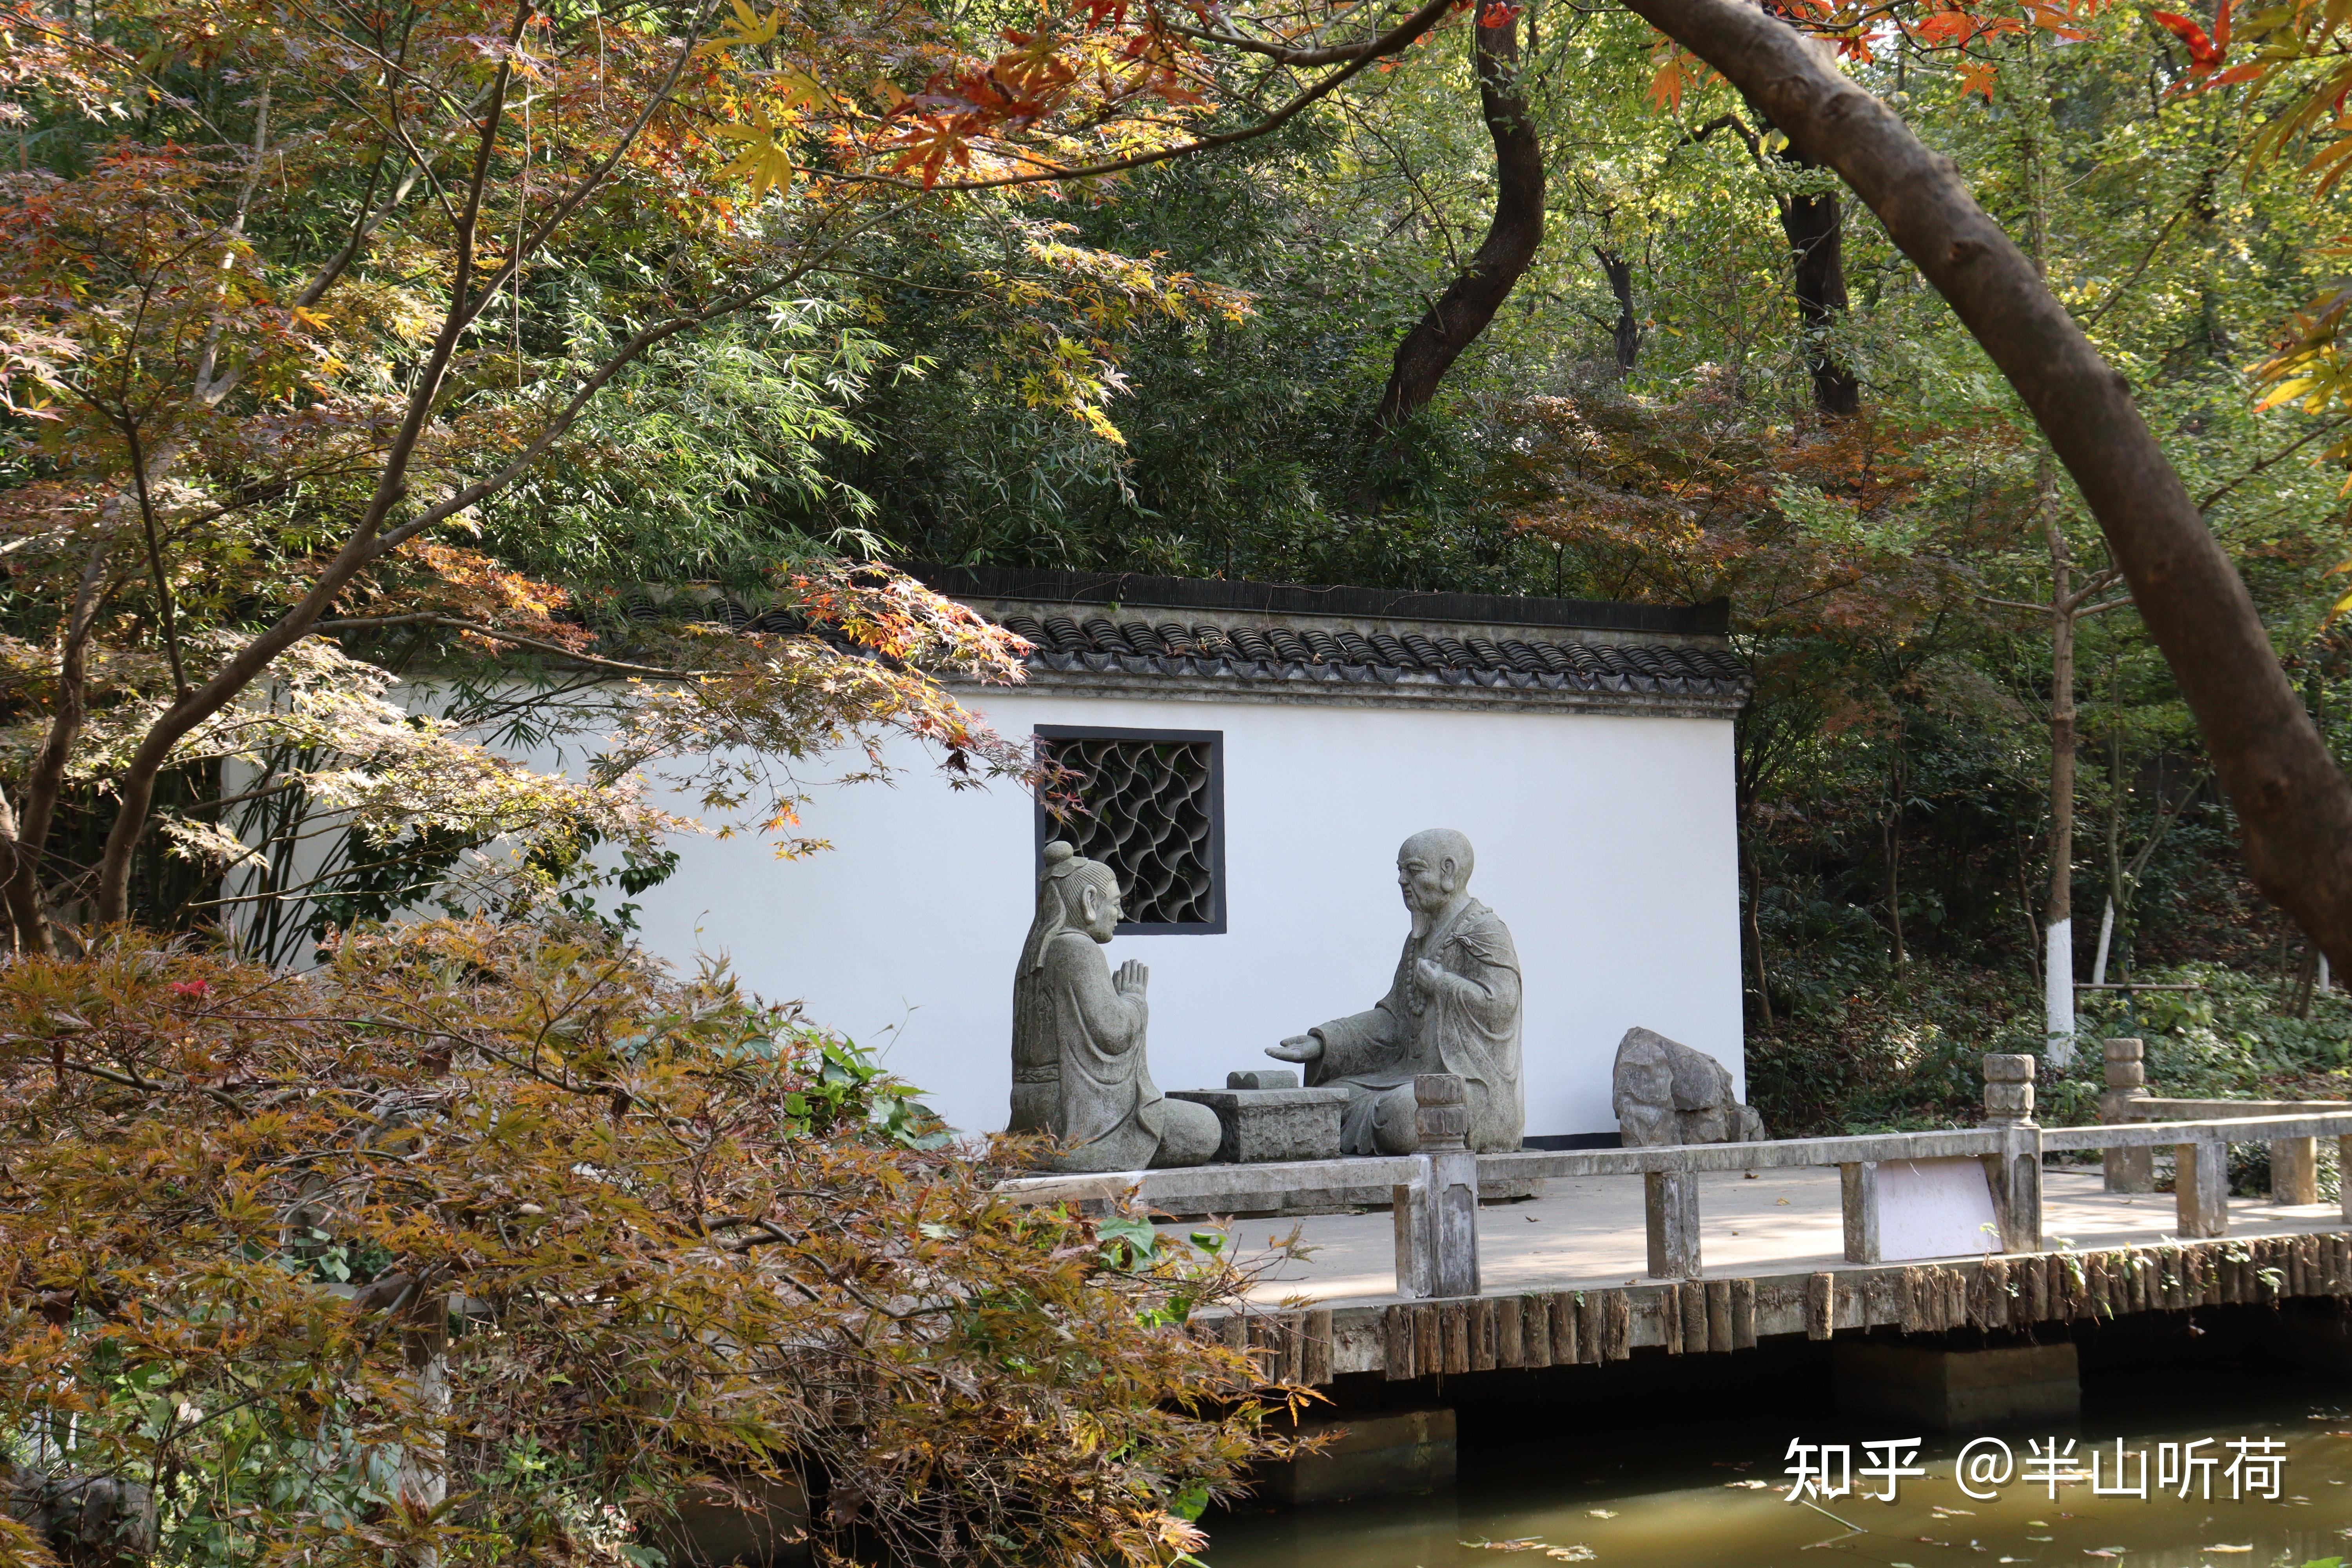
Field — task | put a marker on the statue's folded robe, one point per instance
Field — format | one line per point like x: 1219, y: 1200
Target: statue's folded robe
x: 1468, y: 1026
x: 1109, y: 1114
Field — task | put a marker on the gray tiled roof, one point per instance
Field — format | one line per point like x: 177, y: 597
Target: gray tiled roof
x: 1079, y: 643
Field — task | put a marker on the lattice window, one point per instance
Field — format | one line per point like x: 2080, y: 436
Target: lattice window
x: 1154, y: 813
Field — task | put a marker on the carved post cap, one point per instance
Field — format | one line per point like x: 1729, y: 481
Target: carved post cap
x: 1439, y: 1089
x: 2008, y: 1089
x: 2125, y: 1070
x: 1441, y: 1116
x: 2124, y: 1050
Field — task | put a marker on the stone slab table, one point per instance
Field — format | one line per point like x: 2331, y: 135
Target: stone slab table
x: 1256, y: 1126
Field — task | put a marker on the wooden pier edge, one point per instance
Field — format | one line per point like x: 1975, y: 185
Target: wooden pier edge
x: 1526, y: 1330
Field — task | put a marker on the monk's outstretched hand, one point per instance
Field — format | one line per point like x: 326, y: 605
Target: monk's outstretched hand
x: 1298, y: 1048
x: 1131, y: 979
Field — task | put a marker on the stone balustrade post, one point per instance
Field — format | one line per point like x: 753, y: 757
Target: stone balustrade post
x: 2127, y: 1170
x: 2294, y: 1170
x: 1670, y: 1208
x: 1858, y: 1196
x: 2201, y: 1187
x: 1436, y: 1216
x: 2015, y: 1170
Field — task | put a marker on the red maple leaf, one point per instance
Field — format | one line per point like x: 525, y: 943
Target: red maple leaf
x: 2205, y: 54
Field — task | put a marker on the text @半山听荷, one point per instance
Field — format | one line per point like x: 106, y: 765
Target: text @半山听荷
x: 2239, y: 1469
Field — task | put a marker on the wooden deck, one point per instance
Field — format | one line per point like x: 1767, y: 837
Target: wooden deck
x: 1587, y: 1232
x: 1563, y: 1277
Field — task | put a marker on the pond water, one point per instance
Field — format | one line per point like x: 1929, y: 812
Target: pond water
x: 1677, y: 1489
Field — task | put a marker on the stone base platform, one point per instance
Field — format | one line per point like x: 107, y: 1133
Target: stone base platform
x: 1382, y: 1454
x: 1960, y: 1390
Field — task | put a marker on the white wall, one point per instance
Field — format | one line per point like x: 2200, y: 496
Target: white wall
x: 1606, y: 844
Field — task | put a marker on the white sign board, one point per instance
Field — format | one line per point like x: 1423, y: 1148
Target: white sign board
x: 1934, y: 1208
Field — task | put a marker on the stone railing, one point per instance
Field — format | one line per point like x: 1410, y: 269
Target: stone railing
x: 1435, y: 1192
x: 2295, y: 1160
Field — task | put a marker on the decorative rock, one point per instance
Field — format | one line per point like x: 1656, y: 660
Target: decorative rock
x: 1666, y: 1093
x: 1261, y: 1077
x: 1255, y: 1126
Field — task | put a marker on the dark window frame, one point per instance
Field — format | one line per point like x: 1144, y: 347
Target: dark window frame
x: 1048, y: 830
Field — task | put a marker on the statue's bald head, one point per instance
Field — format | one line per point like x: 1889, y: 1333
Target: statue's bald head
x: 1432, y: 872
x: 1437, y: 846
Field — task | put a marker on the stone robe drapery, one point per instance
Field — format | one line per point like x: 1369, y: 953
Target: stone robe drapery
x: 1468, y: 1026
x: 1078, y: 1070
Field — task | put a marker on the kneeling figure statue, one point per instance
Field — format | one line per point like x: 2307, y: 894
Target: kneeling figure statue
x: 1453, y: 1007
x: 1078, y: 1069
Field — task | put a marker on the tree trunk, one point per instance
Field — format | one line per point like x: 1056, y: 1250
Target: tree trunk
x: 45, y: 778
x: 1890, y: 835
x: 2058, y: 918
x: 2293, y: 803
x: 1463, y: 312
x: 1628, y: 330
x: 1755, y: 923
x: 1816, y: 229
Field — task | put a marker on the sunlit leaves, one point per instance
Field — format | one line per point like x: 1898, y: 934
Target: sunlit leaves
x: 765, y: 162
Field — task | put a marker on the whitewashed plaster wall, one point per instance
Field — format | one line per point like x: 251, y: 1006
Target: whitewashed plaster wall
x: 1607, y: 844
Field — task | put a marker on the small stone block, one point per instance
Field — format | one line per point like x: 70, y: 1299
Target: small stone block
x: 1263, y: 1078
x: 1261, y: 1126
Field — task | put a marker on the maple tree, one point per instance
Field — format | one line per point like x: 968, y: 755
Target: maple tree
x: 482, y: 1243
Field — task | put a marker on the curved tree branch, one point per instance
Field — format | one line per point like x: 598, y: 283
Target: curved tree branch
x: 1462, y: 313
x: 2293, y: 802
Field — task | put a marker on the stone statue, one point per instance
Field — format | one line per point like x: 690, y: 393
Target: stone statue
x: 1666, y: 1093
x: 1453, y: 1007
x: 1078, y: 1069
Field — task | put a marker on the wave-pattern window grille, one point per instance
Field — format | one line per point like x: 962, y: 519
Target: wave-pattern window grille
x: 1153, y: 814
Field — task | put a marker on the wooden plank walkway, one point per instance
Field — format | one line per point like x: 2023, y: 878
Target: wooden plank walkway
x: 1564, y: 1283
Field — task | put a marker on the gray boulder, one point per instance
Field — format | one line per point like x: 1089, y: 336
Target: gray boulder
x: 1666, y: 1093
x: 86, y: 1521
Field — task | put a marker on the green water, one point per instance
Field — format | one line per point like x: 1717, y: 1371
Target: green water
x: 1636, y: 1488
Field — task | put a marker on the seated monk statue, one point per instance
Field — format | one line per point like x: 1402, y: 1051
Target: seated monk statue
x: 1078, y: 1070
x: 1453, y: 1007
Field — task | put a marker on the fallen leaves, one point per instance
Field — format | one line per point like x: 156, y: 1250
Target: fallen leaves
x: 1576, y: 1551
